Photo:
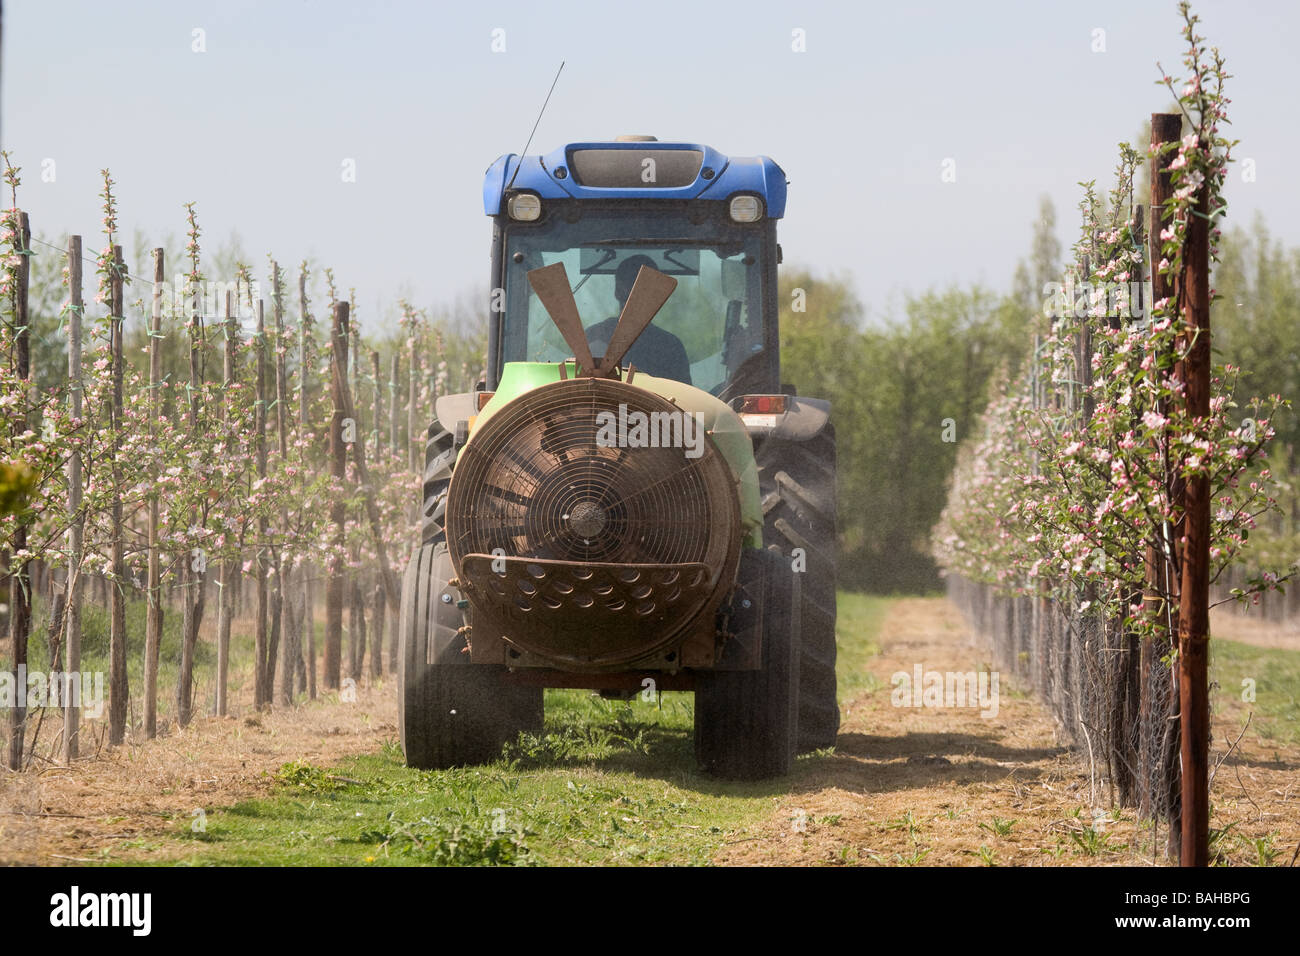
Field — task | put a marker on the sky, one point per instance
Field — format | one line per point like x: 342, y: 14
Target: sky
x: 254, y: 110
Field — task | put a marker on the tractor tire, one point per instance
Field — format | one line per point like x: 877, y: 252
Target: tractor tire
x: 746, y: 722
x: 451, y: 713
x: 439, y: 456
x: 797, y: 487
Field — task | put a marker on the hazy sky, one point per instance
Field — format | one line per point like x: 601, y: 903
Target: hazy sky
x: 256, y: 129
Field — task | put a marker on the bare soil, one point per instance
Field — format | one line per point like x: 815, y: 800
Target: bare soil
x: 137, y: 792
x: 927, y: 786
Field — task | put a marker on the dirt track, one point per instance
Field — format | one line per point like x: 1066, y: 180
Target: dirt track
x: 932, y: 786
x: 905, y: 785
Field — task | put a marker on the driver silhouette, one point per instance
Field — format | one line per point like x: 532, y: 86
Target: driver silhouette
x: 656, y: 351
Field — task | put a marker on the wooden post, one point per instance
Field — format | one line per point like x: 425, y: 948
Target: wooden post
x: 1194, y: 609
x: 1160, y: 752
x: 338, y: 509
x: 76, y: 520
x: 20, y: 597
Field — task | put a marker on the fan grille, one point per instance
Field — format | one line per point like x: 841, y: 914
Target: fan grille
x: 537, y: 481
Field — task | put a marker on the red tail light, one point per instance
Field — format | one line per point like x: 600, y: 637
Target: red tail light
x: 762, y: 405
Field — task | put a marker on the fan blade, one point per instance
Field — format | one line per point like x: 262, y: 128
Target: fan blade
x: 551, y: 283
x: 649, y: 293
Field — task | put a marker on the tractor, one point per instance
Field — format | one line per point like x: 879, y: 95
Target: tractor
x: 631, y: 500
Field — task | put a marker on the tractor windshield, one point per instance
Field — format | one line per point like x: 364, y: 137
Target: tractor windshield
x: 711, y: 324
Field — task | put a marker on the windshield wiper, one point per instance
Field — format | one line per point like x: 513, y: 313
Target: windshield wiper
x: 606, y: 256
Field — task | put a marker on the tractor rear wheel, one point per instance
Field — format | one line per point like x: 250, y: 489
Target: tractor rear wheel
x: 438, y: 459
x: 797, y: 487
x: 451, y: 713
x: 746, y: 722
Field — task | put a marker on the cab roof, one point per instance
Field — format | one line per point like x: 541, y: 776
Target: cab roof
x: 636, y: 170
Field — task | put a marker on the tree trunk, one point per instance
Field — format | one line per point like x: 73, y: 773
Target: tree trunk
x: 394, y: 427
x: 263, y: 669
x: 195, y: 564
x: 118, y: 690
x: 76, y: 521
x: 153, y: 598
x: 307, y: 611
x: 289, y: 632
x: 283, y: 602
x: 338, y: 509
x: 357, y: 629
x: 20, y: 608
x: 309, y: 623
x: 377, y: 644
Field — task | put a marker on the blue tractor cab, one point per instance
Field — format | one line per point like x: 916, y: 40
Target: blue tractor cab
x: 604, y: 210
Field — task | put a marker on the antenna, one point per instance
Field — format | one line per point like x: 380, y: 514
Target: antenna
x: 520, y: 164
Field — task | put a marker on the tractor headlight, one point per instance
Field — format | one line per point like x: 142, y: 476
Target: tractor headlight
x: 746, y: 209
x: 526, y: 207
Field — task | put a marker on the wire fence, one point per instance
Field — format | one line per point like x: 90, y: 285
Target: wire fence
x: 1113, y: 700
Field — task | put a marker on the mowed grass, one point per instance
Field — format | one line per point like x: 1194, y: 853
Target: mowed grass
x: 1274, y: 676
x: 857, y: 626
x: 609, y: 782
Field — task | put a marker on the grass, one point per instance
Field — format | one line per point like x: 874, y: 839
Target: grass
x: 608, y: 782
x: 1275, y: 674
x: 858, y: 621
x: 1229, y: 847
x: 998, y: 827
x: 1093, y: 841
x: 907, y: 821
